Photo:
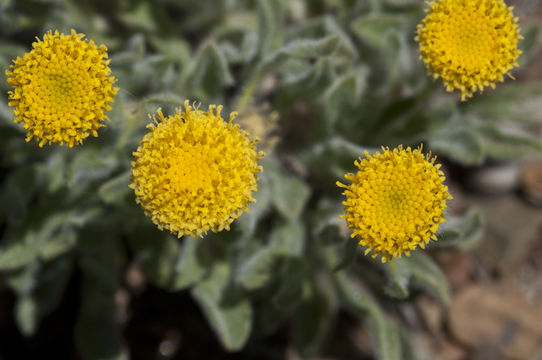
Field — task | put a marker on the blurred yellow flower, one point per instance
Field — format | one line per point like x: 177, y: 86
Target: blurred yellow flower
x: 471, y: 44
x: 395, y: 202
x: 263, y: 124
x: 194, y: 172
x: 61, y: 88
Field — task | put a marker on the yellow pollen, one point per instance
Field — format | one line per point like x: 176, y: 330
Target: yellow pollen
x: 61, y: 89
x: 395, y: 201
x: 194, y: 172
x: 471, y: 44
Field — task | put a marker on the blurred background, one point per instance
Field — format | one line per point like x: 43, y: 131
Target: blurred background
x: 84, y: 275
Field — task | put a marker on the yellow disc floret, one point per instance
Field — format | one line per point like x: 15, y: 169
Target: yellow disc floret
x: 61, y: 89
x: 194, y: 172
x: 395, y: 202
x: 471, y: 44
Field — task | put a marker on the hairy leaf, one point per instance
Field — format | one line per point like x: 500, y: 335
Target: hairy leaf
x: 226, y: 308
x: 463, y: 233
x: 385, y: 334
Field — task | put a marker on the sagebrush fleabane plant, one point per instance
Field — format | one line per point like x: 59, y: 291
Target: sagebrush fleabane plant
x: 470, y: 44
x: 395, y: 201
x: 194, y: 172
x: 61, y: 89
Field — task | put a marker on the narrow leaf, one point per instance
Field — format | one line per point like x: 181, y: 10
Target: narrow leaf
x: 463, y: 233
x: 96, y: 332
x: 311, y: 321
x: 399, y: 276
x: 502, y: 144
x: 461, y: 143
x: 385, y: 334
x: 290, y: 290
x: 269, y: 34
x: 428, y: 275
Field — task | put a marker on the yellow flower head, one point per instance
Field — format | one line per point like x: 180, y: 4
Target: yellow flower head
x: 194, y: 172
x: 61, y: 89
x: 471, y: 44
x: 396, y: 201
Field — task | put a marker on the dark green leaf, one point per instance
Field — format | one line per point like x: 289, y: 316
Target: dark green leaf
x: 349, y: 249
x: 311, y: 321
x: 19, y: 189
x: 338, y: 154
x: 96, y: 332
x: 158, y: 253
x: 290, y: 290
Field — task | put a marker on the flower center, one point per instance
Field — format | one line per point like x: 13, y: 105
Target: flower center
x: 193, y: 168
x: 474, y: 44
x: 468, y: 39
x: 393, y: 201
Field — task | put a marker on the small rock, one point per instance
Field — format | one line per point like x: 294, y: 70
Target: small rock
x: 457, y: 267
x: 497, y: 317
x: 495, y: 179
x: 361, y: 339
x: 135, y: 278
x: 447, y: 350
x: 511, y: 227
x: 122, y: 300
x: 170, y: 344
x: 531, y: 181
x: 431, y: 313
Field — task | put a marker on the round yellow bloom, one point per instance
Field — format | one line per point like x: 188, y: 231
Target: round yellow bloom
x: 62, y: 87
x: 194, y: 172
x: 471, y: 44
x: 396, y: 201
